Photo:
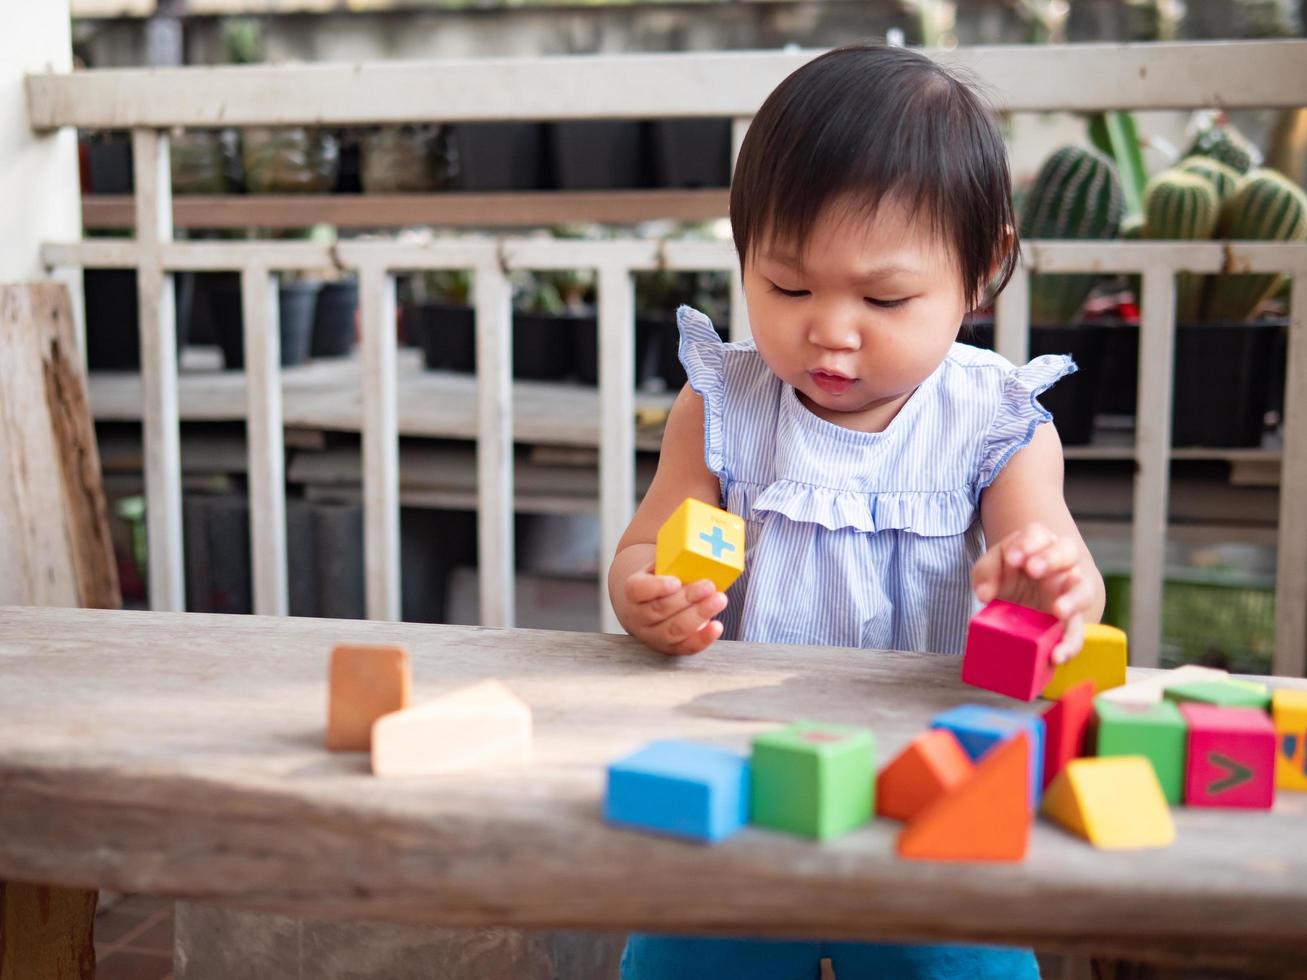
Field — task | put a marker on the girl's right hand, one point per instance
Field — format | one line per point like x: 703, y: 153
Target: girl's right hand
x: 670, y: 617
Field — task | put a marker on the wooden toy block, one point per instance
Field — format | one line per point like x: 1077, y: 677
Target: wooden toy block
x: 987, y: 818
x: 481, y: 725
x: 701, y: 541
x: 1231, y: 757
x: 1150, y: 691
x: 1157, y: 732
x: 813, y: 779
x: 1289, y: 710
x: 680, y: 789
x: 933, y: 765
x: 1114, y: 803
x: 364, y: 683
x: 1010, y: 650
x: 1228, y: 693
x: 1102, y: 660
x: 979, y: 729
x: 1066, y: 725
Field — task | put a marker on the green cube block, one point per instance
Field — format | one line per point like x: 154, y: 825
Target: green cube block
x: 1156, y: 731
x: 1225, y: 693
x: 813, y: 779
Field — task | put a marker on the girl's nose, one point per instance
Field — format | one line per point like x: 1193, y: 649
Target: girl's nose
x: 834, y: 330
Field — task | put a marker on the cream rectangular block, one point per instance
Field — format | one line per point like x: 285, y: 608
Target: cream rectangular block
x: 1151, y: 691
x: 482, y: 725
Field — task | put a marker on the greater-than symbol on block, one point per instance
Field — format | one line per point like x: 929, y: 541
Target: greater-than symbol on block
x: 476, y: 727
x: 701, y: 541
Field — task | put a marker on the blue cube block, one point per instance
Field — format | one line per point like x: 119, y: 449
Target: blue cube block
x: 979, y: 729
x: 680, y: 788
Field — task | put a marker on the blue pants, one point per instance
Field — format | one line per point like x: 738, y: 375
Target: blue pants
x: 683, y: 958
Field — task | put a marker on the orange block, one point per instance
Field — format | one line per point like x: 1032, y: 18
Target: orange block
x: 986, y: 819
x: 933, y: 765
x: 1065, y: 725
x: 366, y: 682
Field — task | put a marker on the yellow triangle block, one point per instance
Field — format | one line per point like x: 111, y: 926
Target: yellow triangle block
x: 1115, y: 802
x: 1101, y: 660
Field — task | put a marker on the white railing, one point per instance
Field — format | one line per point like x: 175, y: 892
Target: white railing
x: 1254, y: 74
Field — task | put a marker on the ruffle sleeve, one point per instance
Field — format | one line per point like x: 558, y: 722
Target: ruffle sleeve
x: 1019, y: 413
x: 701, y: 352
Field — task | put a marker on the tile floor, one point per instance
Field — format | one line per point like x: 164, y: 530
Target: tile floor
x: 133, y: 938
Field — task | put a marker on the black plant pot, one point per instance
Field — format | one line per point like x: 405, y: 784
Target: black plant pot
x: 1072, y: 401
x: 109, y: 160
x: 447, y: 335
x: 692, y: 152
x: 1227, y: 377
x: 599, y: 155
x: 113, y: 332
x: 500, y: 156
x: 587, y: 350
x: 544, y: 346
x: 334, y: 316
x: 295, y: 302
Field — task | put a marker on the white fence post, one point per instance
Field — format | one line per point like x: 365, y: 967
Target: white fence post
x: 617, y: 418
x: 1290, y: 657
x: 380, y: 443
x: 493, y: 296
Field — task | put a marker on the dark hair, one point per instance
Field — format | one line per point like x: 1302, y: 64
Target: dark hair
x: 868, y: 122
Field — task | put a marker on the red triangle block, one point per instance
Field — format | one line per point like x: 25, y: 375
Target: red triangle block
x: 933, y: 765
x: 988, y: 818
x: 1065, y: 725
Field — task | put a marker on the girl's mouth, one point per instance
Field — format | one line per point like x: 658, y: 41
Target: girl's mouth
x: 833, y: 384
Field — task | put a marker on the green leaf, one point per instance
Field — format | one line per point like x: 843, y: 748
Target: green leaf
x: 1114, y: 133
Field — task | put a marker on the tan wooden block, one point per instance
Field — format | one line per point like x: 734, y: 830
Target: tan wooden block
x: 482, y: 725
x: 365, y: 683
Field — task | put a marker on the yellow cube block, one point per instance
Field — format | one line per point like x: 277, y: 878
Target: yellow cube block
x: 1115, y: 802
x: 701, y: 541
x: 1102, y: 660
x: 1289, y: 709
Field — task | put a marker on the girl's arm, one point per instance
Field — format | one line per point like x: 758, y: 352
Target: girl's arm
x: 664, y: 613
x: 1036, y: 556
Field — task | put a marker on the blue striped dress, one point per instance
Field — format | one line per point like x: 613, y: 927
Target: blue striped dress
x: 852, y: 539
x: 878, y: 530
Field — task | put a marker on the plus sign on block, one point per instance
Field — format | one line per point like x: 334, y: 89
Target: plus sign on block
x: 701, y: 541
x: 1231, y: 757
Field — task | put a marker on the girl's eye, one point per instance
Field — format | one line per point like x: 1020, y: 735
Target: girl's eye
x: 794, y: 293
x: 887, y: 304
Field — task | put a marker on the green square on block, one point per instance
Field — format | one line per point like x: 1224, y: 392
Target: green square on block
x: 1225, y: 693
x: 813, y: 779
x: 1156, y: 731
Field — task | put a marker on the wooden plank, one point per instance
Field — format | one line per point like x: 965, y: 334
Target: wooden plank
x: 1012, y: 318
x: 495, y: 476
x: 457, y: 209
x: 1239, y: 74
x: 159, y: 372
x: 380, y: 443
x: 267, y: 454
x: 617, y: 425
x: 1290, y: 656
x: 87, y: 778
x: 1152, y: 446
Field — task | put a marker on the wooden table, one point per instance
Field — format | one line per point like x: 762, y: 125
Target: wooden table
x: 181, y: 755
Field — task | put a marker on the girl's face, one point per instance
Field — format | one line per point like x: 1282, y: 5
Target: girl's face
x: 860, y: 316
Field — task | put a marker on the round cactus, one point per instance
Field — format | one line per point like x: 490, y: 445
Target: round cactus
x: 1223, y: 142
x: 1266, y: 206
x: 1224, y: 178
x: 1182, y: 206
x: 1076, y: 195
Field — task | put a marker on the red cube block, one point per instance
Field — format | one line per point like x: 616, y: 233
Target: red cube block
x: 1010, y: 649
x: 1231, y: 757
x: 1065, y: 725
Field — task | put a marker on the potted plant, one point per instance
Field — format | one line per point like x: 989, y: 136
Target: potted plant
x: 445, y: 321
x: 406, y: 159
x: 499, y: 156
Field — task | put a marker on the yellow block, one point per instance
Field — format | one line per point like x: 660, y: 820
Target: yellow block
x: 701, y: 541
x: 1115, y: 802
x: 1289, y: 709
x: 1102, y: 660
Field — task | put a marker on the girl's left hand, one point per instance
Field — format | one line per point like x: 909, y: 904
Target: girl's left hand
x: 1036, y: 568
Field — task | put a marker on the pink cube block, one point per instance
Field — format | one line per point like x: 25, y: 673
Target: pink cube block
x: 1231, y: 757
x: 1010, y: 649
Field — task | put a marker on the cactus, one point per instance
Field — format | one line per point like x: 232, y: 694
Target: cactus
x: 1179, y: 205
x: 1076, y: 195
x: 1266, y: 206
x: 1222, y: 177
x: 1221, y: 141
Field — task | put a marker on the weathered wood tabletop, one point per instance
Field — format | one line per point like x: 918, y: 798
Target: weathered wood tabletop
x: 182, y: 755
